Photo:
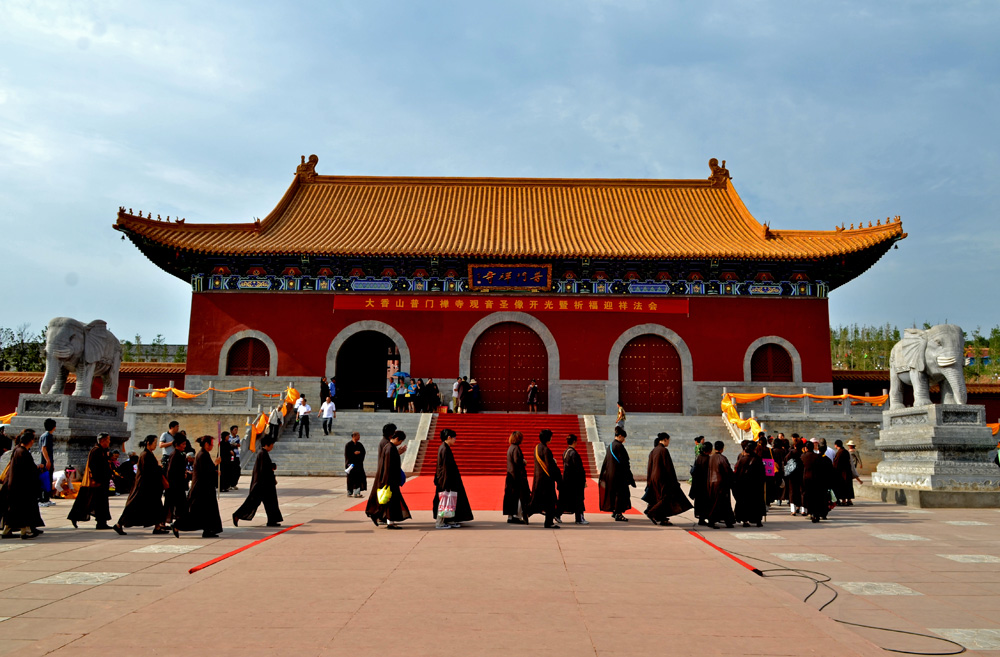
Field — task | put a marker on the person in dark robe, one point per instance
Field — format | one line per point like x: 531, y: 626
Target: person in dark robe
x: 144, y: 507
x: 389, y: 472
x: 354, y: 461
x: 720, y: 482
x: 750, y: 487
x: 92, y: 498
x: 177, y: 480
x: 235, y: 468
x: 817, y: 477
x: 21, y: 487
x: 263, y: 489
x: 226, y: 462
x: 387, y: 431
x: 793, y: 479
x: 574, y: 481
x: 699, y: 483
x: 448, y: 478
x: 202, y: 501
x: 516, y: 491
x: 616, y: 478
x: 663, y: 495
x: 126, y: 474
x: 843, y: 480
x: 545, y: 478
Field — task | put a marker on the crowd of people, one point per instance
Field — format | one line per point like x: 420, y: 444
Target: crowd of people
x: 178, y: 492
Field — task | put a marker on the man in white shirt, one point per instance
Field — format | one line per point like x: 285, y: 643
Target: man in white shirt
x: 274, y: 422
x: 829, y: 452
x: 327, y: 411
x: 295, y: 410
x: 302, y: 411
x: 454, y: 394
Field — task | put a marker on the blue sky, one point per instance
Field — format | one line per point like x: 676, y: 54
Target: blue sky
x: 825, y: 112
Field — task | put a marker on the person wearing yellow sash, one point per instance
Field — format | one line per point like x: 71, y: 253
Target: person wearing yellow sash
x: 92, y: 500
x: 544, y: 480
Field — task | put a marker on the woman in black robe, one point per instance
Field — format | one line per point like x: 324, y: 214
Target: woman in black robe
x: 177, y: 480
x: 203, y: 501
x: 817, y: 476
x: 389, y: 473
x: 144, y: 508
x: 22, y: 487
x: 92, y: 498
x: 699, y: 483
x: 843, y: 479
x: 545, y: 478
x: 354, y: 455
x: 793, y: 479
x: 263, y: 489
x: 720, y: 482
x: 448, y: 478
x: 574, y: 481
x: 516, y: 491
x: 225, y: 462
x: 750, y: 488
x: 616, y: 478
x: 663, y: 492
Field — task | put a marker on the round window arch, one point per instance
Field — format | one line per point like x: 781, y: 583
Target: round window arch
x: 248, y: 357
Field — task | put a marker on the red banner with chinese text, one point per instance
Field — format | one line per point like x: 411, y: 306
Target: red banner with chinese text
x: 378, y: 303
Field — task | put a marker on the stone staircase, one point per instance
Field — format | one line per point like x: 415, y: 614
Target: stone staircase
x: 642, y: 429
x: 321, y: 455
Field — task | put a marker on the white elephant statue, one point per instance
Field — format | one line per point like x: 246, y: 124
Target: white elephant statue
x: 925, y: 357
x: 88, y: 350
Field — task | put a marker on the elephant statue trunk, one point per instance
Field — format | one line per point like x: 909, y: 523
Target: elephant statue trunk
x: 953, y: 387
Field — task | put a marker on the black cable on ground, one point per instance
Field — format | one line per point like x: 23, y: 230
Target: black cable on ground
x: 821, y: 579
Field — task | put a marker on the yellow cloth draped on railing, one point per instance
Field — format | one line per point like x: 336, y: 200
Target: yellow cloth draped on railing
x: 259, y: 426
x: 162, y: 392
x: 995, y: 428
x: 731, y: 399
x: 5, y: 419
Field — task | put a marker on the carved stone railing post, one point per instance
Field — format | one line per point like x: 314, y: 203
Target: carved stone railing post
x: 767, y: 402
x: 211, y: 394
x: 805, y: 402
x: 170, y: 395
x: 847, y: 403
x: 131, y: 396
x: 250, y: 395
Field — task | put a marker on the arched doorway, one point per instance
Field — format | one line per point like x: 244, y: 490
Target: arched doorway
x: 649, y: 376
x: 364, y: 363
x: 248, y: 357
x: 771, y: 364
x: 505, y: 358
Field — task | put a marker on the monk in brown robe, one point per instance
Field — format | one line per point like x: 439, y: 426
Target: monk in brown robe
x: 354, y: 461
x: 447, y: 478
x: 389, y: 473
x: 516, y: 492
x: 817, y: 476
x: 720, y: 481
x: 203, y: 500
x: 544, y: 480
x: 843, y: 479
x: 144, y: 508
x: 21, y: 488
x: 699, y: 483
x: 616, y: 478
x: 749, y: 487
x: 175, y: 499
x: 263, y: 489
x: 92, y: 499
x: 663, y: 492
x: 574, y: 481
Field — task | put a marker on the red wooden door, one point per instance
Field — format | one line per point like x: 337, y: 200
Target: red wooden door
x: 771, y: 363
x: 649, y: 376
x: 248, y: 357
x: 505, y: 359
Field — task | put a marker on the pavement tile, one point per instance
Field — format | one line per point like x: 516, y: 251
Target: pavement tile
x: 973, y: 639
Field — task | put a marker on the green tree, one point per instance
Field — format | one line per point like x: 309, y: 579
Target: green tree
x: 180, y: 356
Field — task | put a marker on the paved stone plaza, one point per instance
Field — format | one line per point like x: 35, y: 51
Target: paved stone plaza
x: 338, y: 586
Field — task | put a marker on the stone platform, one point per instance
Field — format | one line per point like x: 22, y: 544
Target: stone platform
x: 936, y: 456
x: 78, y: 421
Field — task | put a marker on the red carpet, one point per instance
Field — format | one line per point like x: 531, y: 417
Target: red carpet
x: 485, y: 494
x: 482, y: 440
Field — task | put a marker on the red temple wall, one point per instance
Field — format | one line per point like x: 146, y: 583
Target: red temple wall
x: 717, y: 330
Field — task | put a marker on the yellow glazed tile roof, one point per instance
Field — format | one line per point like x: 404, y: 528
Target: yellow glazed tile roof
x: 509, y: 217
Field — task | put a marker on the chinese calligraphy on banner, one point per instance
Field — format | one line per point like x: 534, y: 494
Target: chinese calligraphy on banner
x: 379, y: 303
x: 510, y: 277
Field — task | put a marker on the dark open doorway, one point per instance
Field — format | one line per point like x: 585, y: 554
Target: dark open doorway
x: 363, y: 364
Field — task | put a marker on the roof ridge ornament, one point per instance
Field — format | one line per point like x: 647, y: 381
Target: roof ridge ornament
x: 720, y: 174
x: 307, y: 170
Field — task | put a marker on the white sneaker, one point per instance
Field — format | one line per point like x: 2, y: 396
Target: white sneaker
x: 583, y: 522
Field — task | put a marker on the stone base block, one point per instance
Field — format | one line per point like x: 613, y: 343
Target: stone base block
x: 930, y: 499
x: 78, y: 421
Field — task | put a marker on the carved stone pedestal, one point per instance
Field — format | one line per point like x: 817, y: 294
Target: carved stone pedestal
x: 936, y: 456
x: 78, y: 421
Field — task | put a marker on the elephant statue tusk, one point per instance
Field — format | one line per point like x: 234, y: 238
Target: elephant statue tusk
x: 945, y: 361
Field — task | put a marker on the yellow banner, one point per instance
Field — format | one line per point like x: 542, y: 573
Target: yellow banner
x: 731, y: 399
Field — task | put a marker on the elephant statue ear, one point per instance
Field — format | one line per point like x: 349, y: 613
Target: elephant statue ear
x: 101, y: 344
x: 911, y: 350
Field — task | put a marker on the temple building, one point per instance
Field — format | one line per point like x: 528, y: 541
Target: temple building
x: 658, y: 293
